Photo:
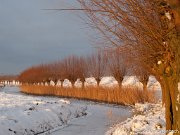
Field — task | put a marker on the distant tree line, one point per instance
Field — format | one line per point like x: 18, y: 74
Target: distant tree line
x: 8, y: 77
x: 74, y: 67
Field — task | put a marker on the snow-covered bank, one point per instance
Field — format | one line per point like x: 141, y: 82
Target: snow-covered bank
x: 30, y: 115
x: 149, y: 119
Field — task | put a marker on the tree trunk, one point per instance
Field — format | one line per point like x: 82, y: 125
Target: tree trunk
x: 144, y: 87
x: 98, y: 81
x: 61, y: 80
x: 172, y: 106
x: 73, y: 84
x: 62, y: 84
x: 120, y: 84
x: 83, y: 84
x: 163, y: 94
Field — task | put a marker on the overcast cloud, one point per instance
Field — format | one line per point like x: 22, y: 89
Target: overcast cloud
x: 30, y: 35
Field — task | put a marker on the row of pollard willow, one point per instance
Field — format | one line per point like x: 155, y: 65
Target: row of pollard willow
x: 10, y: 83
x: 78, y: 83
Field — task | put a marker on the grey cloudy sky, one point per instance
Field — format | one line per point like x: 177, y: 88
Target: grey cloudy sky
x: 30, y: 35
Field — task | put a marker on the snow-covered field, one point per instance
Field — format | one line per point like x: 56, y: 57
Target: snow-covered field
x: 29, y: 115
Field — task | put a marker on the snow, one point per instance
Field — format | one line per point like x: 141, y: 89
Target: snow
x: 11, y: 83
x: 91, y: 81
x: 167, y: 14
x: 176, y: 108
x: 58, y: 83
x: 78, y: 83
x: 149, y: 119
x: 153, y: 84
x: 142, y: 108
x: 52, y: 83
x: 67, y: 83
x: 109, y: 81
x: 131, y: 81
x: 46, y: 84
x: 159, y: 62
x: 29, y: 115
x: 178, y: 98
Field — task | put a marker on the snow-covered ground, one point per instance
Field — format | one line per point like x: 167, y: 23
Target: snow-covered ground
x: 149, y: 119
x: 29, y: 115
x: 22, y: 114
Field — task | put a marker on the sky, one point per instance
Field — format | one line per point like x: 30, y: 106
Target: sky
x: 30, y: 35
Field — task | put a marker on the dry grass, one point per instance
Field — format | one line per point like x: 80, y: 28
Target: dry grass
x: 126, y: 96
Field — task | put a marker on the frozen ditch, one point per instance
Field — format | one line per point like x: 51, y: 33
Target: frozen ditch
x: 34, y: 115
x: 100, y: 117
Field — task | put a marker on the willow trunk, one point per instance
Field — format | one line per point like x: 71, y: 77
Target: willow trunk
x: 172, y: 105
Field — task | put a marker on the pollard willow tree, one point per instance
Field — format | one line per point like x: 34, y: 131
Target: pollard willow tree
x: 149, y: 30
x: 82, y: 70
x: 96, y: 65
x: 142, y: 75
x: 118, y: 65
x: 70, y: 70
